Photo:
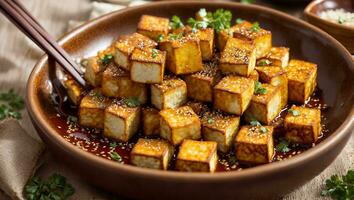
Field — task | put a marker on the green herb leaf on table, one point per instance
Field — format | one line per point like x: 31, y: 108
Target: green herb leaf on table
x: 258, y: 89
x: 55, y: 188
x: 293, y: 112
x: 131, y: 102
x: 10, y: 105
x: 154, y: 53
x: 106, y: 59
x: 255, y: 27
x: 283, y: 146
x: 116, y: 157
x: 176, y: 22
x: 340, y: 187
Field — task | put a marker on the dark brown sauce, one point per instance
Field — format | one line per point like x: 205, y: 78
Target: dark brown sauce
x: 92, y: 140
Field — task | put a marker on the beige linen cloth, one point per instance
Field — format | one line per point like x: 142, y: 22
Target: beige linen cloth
x: 20, y: 148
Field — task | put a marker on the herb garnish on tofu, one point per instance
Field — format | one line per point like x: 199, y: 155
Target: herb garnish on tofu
x: 239, y: 21
x: 294, y: 112
x: 195, y: 24
x: 264, y: 62
x: 175, y: 36
x: 160, y: 38
x: 210, y: 120
x: 56, y: 187
x: 258, y: 89
x: 106, y: 59
x: 255, y: 27
x: 176, y: 22
x: 154, y: 53
x: 340, y: 188
x: 131, y: 102
x: 255, y: 123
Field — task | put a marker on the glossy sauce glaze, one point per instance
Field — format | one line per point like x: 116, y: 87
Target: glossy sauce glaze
x: 93, y: 141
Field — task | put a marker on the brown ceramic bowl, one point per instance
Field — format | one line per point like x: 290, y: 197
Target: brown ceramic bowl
x: 344, y: 34
x: 335, y: 78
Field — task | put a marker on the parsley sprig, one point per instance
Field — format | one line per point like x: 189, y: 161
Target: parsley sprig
x: 264, y: 62
x: 283, y: 146
x: 10, y: 105
x: 340, y: 187
x: 160, y: 38
x: 116, y: 157
x: 176, y: 22
x: 106, y: 59
x: 154, y: 53
x: 258, y: 89
x: 55, y: 188
x: 293, y: 112
x: 255, y: 27
x: 132, y: 102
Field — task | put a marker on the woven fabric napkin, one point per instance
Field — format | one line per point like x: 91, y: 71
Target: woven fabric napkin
x: 19, y: 154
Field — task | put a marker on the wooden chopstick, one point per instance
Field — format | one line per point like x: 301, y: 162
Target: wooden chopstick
x: 32, y: 29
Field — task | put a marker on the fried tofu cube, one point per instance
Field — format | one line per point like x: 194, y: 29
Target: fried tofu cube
x: 178, y: 124
x: 225, y: 34
x: 152, y: 26
x: 125, y: 46
x: 198, y: 107
x: 264, y: 107
x: 238, y: 57
x: 200, y: 85
x: 301, y: 80
x: 172, y: 93
x: 183, y: 54
x: 303, y: 125
x: 74, y: 90
x: 117, y: 83
x: 275, y: 76
x: 91, y: 111
x: 121, y: 120
x: 254, y: 144
x: 147, y: 66
x: 206, y: 37
x: 278, y: 56
x: 233, y: 94
x: 261, y: 38
x: 151, y: 153
x: 197, y: 156
x: 254, y: 76
x: 151, y: 121
x: 220, y: 128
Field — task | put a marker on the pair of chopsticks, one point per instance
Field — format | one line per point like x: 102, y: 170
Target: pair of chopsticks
x: 16, y: 13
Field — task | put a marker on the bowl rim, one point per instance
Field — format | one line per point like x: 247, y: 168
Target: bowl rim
x: 308, y: 11
x: 33, y: 108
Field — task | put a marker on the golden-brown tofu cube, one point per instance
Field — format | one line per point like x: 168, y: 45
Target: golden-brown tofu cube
x: 151, y: 121
x: 206, y: 37
x: 200, y: 85
x: 117, y: 83
x: 183, y: 54
x: 254, y: 76
x: 151, y: 153
x: 178, y: 124
x: 303, y: 125
x: 233, y: 94
x: 147, y: 66
x: 172, y: 93
x: 301, y: 80
x: 96, y: 65
x: 122, y: 119
x: 125, y: 46
x: 152, y: 26
x: 91, y: 111
x: 278, y: 56
x: 261, y: 38
x: 198, y: 107
x: 265, y: 106
x: 220, y: 128
x: 238, y: 57
x: 275, y: 76
x: 254, y: 144
x: 74, y: 90
x: 225, y: 34
x: 197, y: 156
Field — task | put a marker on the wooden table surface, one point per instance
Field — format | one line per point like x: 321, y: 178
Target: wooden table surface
x: 18, y: 56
